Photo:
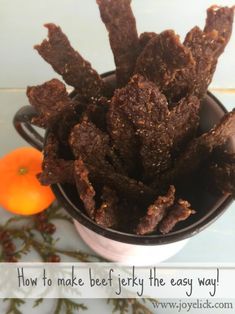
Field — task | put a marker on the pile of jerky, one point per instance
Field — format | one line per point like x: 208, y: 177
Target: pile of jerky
x: 128, y: 146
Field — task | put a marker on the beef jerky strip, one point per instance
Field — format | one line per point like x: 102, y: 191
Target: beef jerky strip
x: 142, y: 108
x: 76, y: 71
x: 131, y: 189
x: 205, y: 46
x: 184, y: 121
x: 195, y: 78
x: 50, y: 100
x: 224, y: 177
x: 144, y: 39
x: 156, y: 212
x: 147, y: 109
x: 120, y: 23
x: 96, y: 112
x: 179, y: 212
x: 91, y: 144
x: 84, y: 187
x: 57, y: 171
x: 107, y: 214
x: 225, y: 153
x: 54, y: 168
x: 221, y: 20
x: 200, y: 149
x: 88, y: 141
x: 123, y: 135
x: 162, y: 58
x: 64, y: 126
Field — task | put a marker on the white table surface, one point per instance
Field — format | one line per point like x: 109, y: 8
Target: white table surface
x: 21, y: 27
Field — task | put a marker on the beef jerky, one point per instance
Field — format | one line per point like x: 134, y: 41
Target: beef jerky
x: 223, y: 176
x: 160, y: 131
x: 54, y: 168
x: 142, y: 102
x: 84, y: 187
x: 200, y: 149
x: 89, y: 143
x: 107, y: 214
x: 93, y: 145
x: 225, y: 153
x: 162, y: 58
x: 184, y: 121
x: 50, y: 100
x: 120, y: 23
x: 135, y: 123
x: 221, y: 20
x: 125, y: 186
x: 179, y: 212
x: 129, y: 213
x: 156, y: 212
x: 75, y: 70
x: 195, y: 78
x: 144, y: 39
x: 57, y: 171
x: 110, y: 84
x: 124, y: 138
x: 64, y: 125
x: 96, y: 112
x: 206, y: 46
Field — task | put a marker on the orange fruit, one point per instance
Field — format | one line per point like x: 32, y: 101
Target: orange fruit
x: 20, y: 191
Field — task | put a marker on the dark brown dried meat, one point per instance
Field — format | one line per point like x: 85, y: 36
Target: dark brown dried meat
x: 123, y: 135
x: 225, y: 153
x: 183, y: 121
x: 144, y: 39
x: 50, y: 100
x: 156, y: 212
x: 120, y: 23
x: 206, y: 46
x: 162, y: 58
x: 223, y: 175
x: 130, y: 149
x: 57, y: 171
x: 179, y: 212
x: 96, y: 112
x: 107, y: 214
x: 125, y: 186
x: 84, y: 187
x: 93, y: 145
x: 54, y: 168
x: 195, y: 78
x: 63, y: 128
x: 200, y: 149
x: 221, y: 20
x: 75, y: 70
x: 135, y: 123
x: 89, y: 143
x: 139, y: 120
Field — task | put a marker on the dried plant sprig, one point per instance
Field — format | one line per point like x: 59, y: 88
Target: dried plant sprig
x: 123, y: 306
x: 14, y: 306
x: 68, y: 306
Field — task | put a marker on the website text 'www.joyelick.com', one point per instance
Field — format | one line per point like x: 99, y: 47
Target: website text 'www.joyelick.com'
x: 188, y: 306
